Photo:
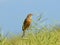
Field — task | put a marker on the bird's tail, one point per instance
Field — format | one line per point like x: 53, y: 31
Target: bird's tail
x: 23, y: 33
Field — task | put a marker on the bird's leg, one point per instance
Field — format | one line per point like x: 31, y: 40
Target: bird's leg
x: 23, y: 33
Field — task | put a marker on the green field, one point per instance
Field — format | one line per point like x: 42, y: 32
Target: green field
x: 44, y: 36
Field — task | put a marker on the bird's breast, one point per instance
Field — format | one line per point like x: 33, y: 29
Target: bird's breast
x: 28, y: 22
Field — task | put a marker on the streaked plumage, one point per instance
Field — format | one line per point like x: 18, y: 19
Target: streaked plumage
x: 27, y: 23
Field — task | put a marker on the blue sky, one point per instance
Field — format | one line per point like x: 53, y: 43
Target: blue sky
x: 13, y: 12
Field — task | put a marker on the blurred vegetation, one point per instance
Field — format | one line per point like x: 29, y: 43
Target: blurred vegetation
x: 36, y: 35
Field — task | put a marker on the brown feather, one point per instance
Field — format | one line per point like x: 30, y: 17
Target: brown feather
x: 26, y: 23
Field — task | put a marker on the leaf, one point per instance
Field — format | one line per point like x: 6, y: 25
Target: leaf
x: 40, y: 17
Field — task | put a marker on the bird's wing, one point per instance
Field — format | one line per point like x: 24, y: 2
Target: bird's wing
x: 24, y: 23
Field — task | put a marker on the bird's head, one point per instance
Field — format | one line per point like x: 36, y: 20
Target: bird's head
x: 29, y: 16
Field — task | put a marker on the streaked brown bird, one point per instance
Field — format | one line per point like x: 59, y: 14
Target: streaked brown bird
x: 26, y: 23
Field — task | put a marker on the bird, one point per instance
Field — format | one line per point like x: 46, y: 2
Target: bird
x: 27, y: 22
